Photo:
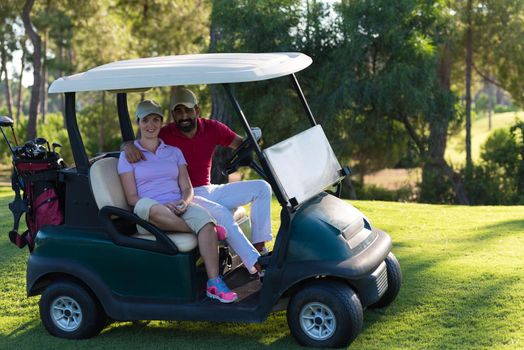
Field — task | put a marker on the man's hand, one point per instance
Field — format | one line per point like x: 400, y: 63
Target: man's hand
x: 178, y: 207
x: 133, y: 154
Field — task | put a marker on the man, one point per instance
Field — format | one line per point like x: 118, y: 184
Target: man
x: 197, y: 138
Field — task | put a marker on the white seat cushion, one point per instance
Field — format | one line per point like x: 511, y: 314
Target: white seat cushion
x: 108, y: 191
x: 105, y: 184
x: 185, y: 242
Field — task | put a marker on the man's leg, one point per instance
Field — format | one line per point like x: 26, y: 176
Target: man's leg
x: 235, y: 237
x: 235, y: 194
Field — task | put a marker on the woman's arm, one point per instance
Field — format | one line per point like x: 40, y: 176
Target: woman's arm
x: 186, y: 189
x: 129, y: 185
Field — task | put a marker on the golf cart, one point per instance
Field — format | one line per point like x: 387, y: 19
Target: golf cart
x: 328, y: 263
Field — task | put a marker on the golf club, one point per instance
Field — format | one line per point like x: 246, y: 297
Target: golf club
x: 6, y: 121
x: 43, y: 141
x: 56, y: 145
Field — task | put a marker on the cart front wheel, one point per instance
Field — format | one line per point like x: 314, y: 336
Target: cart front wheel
x: 68, y: 310
x: 325, y: 314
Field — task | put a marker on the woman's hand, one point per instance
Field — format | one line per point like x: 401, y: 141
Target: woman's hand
x: 179, y: 207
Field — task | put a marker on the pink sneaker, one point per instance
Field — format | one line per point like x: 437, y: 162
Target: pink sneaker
x: 217, y: 289
x: 221, y: 232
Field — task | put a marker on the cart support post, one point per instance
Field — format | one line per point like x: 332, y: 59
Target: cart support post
x: 261, y: 157
x: 123, y: 118
x: 297, y: 87
x: 77, y: 145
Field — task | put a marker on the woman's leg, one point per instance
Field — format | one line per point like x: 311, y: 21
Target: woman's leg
x: 208, y: 246
x: 235, y: 237
x: 203, y: 223
x: 165, y: 219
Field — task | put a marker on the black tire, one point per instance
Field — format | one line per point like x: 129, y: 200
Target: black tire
x: 322, y: 301
x: 394, y: 282
x: 68, y: 310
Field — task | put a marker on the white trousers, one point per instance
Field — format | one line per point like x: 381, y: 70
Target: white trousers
x: 220, y: 200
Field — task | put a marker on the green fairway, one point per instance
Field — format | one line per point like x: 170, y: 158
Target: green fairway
x: 463, y: 289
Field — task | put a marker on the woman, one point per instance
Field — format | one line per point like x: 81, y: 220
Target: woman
x: 161, y: 193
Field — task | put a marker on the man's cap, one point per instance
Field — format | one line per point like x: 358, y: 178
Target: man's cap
x: 148, y: 107
x: 183, y: 96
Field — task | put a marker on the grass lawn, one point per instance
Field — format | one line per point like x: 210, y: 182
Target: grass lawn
x: 463, y: 289
x: 456, y: 150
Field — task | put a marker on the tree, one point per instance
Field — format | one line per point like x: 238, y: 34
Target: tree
x: 499, y: 49
x: 490, y: 33
x: 8, y: 44
x: 469, y: 64
x: 36, y: 59
x: 396, y: 71
x: 20, y: 78
x: 252, y: 26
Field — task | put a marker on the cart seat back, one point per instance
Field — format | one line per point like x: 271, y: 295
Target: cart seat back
x: 108, y: 191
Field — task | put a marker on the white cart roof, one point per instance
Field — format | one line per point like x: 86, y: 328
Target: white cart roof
x: 144, y: 73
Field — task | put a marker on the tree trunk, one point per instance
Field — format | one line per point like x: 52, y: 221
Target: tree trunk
x: 435, y: 171
x: 20, y: 87
x: 35, y: 90
x: 490, y: 103
x: 218, y: 112
x: 7, y: 88
x: 43, y: 91
x: 351, y: 189
x: 489, y: 118
x: 469, y: 63
x: 61, y: 74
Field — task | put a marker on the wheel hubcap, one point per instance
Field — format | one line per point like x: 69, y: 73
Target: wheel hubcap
x: 66, y: 313
x: 318, y: 321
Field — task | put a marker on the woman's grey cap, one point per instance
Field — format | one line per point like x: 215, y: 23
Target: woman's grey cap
x: 148, y: 107
x: 183, y: 96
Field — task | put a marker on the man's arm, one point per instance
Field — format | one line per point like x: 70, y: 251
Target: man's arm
x: 257, y: 133
x: 133, y: 154
x: 236, y: 142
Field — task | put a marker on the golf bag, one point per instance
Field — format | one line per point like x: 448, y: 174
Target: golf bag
x: 40, y: 198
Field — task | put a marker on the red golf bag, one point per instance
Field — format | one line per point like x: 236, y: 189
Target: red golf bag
x: 40, y: 201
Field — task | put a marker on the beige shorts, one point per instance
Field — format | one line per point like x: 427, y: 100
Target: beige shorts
x: 195, y: 216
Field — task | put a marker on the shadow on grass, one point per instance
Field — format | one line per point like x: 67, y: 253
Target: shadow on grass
x: 500, y: 229
x: 161, y: 335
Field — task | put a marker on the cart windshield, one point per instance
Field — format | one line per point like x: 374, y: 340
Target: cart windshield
x: 304, y: 165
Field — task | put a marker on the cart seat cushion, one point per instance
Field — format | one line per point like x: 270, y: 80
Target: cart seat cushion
x: 107, y: 190
x: 185, y: 242
x: 105, y: 184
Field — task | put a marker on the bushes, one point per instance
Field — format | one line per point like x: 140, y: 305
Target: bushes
x: 498, y: 179
x: 504, y: 108
x: 372, y: 192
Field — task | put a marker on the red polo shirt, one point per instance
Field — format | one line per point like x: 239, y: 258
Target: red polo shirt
x: 198, y: 150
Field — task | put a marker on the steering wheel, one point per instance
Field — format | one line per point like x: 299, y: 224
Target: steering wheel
x: 242, y: 156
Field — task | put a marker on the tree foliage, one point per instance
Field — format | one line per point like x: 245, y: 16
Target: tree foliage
x: 386, y: 80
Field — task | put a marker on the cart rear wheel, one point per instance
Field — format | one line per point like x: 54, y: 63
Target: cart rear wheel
x: 325, y: 314
x: 68, y: 310
x: 394, y: 282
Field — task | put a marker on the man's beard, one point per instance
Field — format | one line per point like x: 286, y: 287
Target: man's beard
x: 186, y: 127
